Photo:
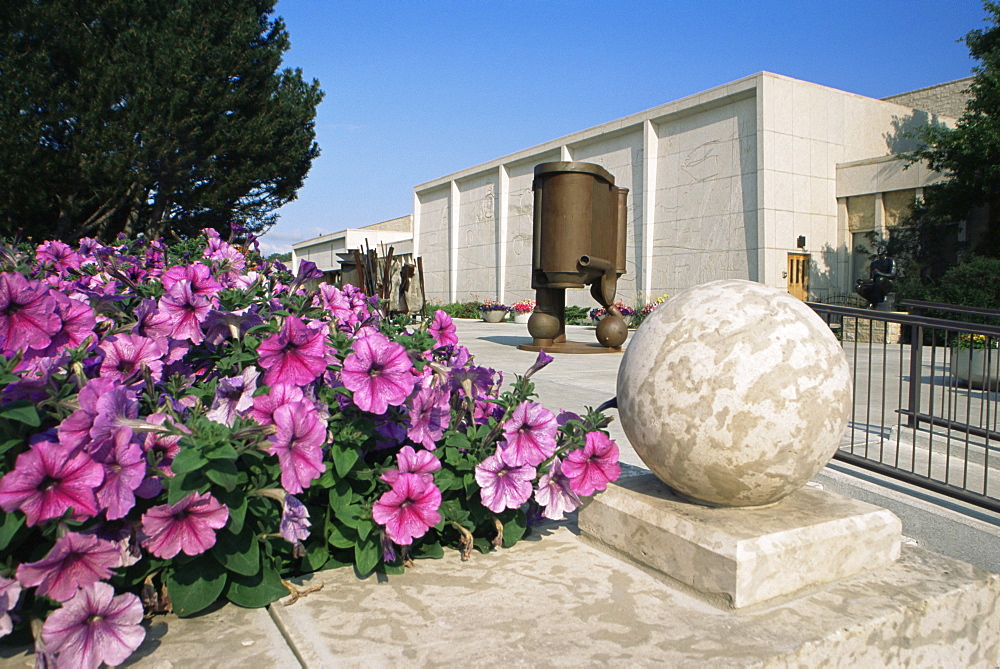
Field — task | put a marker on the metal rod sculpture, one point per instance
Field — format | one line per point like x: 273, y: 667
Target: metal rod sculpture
x: 580, y: 220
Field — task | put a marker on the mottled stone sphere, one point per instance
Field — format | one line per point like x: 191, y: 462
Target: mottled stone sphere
x: 734, y: 393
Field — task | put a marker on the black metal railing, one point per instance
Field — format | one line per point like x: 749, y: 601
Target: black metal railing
x: 926, y: 406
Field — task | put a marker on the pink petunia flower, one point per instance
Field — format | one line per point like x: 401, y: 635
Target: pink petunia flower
x: 27, y: 313
x: 443, y: 330
x: 48, y: 480
x: 10, y: 591
x: 429, y: 417
x: 186, y: 311
x: 125, y: 355
x: 296, y: 355
x: 94, y: 627
x: 58, y: 255
x: 188, y: 526
x: 75, y: 561
x: 378, y: 373
x: 124, y: 471
x: 554, y: 494
x: 592, y: 467
x: 298, y: 445
x: 77, y: 322
x: 198, y: 275
x: 530, y: 435
x: 409, y: 509
x: 408, y: 461
x: 264, y: 406
x: 503, y: 486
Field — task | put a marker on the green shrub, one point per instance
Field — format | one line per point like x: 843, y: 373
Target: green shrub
x: 457, y: 309
x: 973, y: 283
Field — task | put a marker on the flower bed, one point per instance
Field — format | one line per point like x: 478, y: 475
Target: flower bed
x: 183, y: 425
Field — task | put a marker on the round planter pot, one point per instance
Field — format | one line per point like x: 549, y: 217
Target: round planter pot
x: 493, y: 316
x: 522, y: 318
x: 975, y: 368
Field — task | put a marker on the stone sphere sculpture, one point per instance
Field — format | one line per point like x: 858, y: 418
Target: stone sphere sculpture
x: 734, y: 393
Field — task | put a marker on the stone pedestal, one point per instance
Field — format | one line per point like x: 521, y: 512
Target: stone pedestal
x: 867, y: 331
x: 737, y: 557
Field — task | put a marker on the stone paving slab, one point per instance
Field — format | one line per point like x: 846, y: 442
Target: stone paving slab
x: 225, y: 636
x: 557, y: 601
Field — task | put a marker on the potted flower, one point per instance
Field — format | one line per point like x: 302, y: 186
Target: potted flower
x: 975, y: 360
x: 647, y: 310
x: 190, y: 424
x: 522, y: 310
x: 493, y: 312
x: 597, y: 314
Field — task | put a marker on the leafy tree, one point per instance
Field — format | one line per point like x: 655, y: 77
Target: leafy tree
x: 969, y: 153
x: 148, y: 117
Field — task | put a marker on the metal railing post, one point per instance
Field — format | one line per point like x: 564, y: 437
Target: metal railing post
x: 916, y: 362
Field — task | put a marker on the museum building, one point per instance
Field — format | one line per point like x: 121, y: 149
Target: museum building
x: 767, y: 178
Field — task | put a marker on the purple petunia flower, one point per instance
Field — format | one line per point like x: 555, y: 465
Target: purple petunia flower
x: 296, y: 355
x: 541, y: 361
x: 409, y: 509
x: 503, y: 486
x: 443, y: 329
x: 530, y: 435
x: 94, y: 627
x: 188, y: 526
x: 233, y: 397
x: 429, y: 417
x: 298, y: 445
x: 10, y: 591
x: 378, y: 373
x: 27, y: 313
x: 48, y: 480
x: 294, y: 525
x: 75, y: 561
x: 592, y: 467
x: 554, y: 494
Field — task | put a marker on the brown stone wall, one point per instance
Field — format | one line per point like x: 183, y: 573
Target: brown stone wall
x: 947, y: 99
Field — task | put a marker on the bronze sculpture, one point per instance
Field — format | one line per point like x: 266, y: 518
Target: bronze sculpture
x: 580, y: 223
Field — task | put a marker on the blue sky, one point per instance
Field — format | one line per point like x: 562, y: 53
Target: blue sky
x: 416, y: 90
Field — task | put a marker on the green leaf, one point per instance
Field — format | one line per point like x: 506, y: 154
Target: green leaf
x: 341, y: 495
x: 237, y: 503
x: 364, y: 528
x: 432, y: 551
x: 514, y: 528
x: 338, y: 538
x: 11, y: 524
x: 239, y: 553
x: 194, y: 586
x: 188, y: 460
x: 317, y: 555
x: 182, y: 485
x: 223, y: 472
x: 256, y: 591
x: 222, y: 451
x: 344, y: 458
x: 446, y: 480
x: 22, y: 411
x: 366, y: 556
x: 458, y: 440
x: 9, y: 444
